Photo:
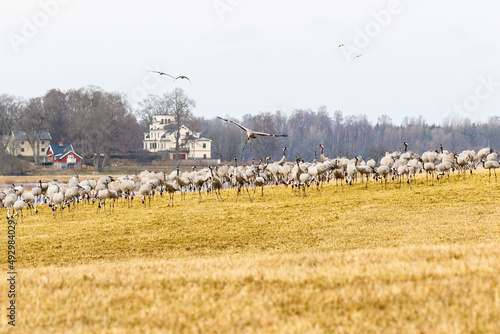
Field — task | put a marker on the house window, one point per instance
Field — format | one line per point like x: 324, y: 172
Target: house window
x: 43, y: 143
x: 22, y: 143
x: 43, y: 149
x: 204, y: 156
x: 204, y: 145
x: 22, y: 149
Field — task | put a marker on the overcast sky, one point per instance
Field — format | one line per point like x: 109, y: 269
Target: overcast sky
x: 430, y: 58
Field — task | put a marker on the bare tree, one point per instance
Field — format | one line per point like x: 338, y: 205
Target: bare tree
x: 58, y: 115
x: 10, y: 111
x: 34, y: 123
x: 179, y: 106
x: 152, y: 105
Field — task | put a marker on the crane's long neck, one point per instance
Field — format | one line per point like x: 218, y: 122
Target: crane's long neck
x: 267, y: 163
x: 298, y: 166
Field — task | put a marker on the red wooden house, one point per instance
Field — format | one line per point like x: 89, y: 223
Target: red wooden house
x: 63, y: 156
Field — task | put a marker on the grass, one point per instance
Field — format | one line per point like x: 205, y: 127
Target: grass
x: 424, y: 259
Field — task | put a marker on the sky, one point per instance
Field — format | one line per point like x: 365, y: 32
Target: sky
x: 438, y: 59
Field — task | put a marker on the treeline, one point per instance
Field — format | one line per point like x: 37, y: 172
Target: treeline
x: 99, y: 123
x: 341, y: 135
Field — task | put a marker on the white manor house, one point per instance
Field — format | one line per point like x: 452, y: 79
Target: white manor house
x: 161, y: 138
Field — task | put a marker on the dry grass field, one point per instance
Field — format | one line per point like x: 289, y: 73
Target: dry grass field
x: 419, y: 260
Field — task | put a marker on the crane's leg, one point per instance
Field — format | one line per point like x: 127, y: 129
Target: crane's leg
x: 244, y: 146
x: 251, y: 200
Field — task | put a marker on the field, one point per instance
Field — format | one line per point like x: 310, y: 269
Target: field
x: 409, y: 260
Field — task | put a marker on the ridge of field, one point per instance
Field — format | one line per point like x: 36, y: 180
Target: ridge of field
x: 424, y: 258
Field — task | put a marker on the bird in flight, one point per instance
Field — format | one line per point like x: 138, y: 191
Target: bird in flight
x: 163, y: 73
x: 357, y: 56
x: 341, y: 45
x: 182, y: 77
x: 250, y: 133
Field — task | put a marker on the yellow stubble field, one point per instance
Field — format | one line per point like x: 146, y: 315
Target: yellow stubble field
x: 419, y: 259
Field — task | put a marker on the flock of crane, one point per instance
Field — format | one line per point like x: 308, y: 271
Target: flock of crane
x: 397, y: 166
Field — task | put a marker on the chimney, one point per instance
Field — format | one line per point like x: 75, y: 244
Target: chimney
x: 60, y: 143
